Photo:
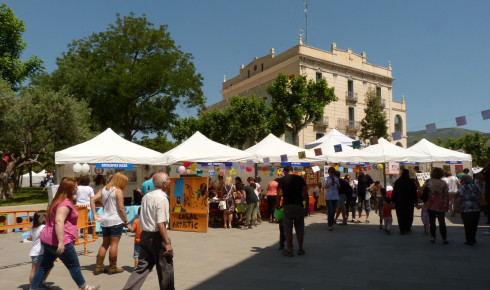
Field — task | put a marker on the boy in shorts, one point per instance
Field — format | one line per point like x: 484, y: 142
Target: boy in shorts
x: 136, y: 228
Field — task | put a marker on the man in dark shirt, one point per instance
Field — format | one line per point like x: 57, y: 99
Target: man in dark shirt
x: 364, y: 184
x: 292, y: 189
x: 252, y: 200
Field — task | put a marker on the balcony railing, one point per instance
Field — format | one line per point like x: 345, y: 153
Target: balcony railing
x: 349, y: 125
x: 322, y: 123
x: 351, y: 97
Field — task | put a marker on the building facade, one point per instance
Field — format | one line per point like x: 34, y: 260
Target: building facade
x: 348, y: 73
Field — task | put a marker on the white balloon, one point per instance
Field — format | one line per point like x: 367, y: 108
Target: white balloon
x: 85, y: 168
x: 77, y: 167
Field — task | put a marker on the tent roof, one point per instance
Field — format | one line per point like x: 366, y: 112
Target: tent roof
x: 334, y: 132
x: 390, y: 152
x: 438, y: 153
x: 198, y: 148
x: 273, y: 147
x: 328, y: 144
x: 108, y: 147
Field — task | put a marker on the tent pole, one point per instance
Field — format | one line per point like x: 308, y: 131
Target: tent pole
x: 384, y: 175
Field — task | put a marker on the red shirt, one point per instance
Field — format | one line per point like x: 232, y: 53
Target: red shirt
x: 386, y: 210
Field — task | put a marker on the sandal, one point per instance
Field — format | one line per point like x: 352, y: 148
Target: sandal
x: 287, y: 253
x: 301, y: 252
x: 367, y: 221
x: 88, y: 287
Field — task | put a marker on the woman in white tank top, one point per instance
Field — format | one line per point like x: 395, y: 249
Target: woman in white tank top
x: 112, y: 221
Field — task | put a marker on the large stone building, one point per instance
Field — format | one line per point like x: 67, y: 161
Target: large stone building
x: 349, y: 73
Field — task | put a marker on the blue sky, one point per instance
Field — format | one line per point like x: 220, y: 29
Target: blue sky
x: 439, y: 49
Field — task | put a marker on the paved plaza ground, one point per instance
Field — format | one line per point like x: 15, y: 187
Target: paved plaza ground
x: 357, y: 256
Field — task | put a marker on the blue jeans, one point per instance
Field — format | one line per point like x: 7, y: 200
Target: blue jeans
x: 367, y: 205
x: 69, y: 259
x: 331, y: 206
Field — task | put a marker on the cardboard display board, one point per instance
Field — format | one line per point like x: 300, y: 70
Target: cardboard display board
x: 189, y: 204
x: 311, y: 178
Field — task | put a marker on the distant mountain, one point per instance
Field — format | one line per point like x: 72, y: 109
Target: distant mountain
x: 444, y: 134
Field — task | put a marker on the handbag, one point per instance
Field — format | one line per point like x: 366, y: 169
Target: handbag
x: 222, y: 205
x: 368, y: 195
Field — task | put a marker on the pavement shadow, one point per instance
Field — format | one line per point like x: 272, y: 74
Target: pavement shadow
x: 358, y: 256
x: 51, y: 286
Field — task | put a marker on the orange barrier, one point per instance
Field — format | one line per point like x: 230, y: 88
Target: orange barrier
x: 88, y: 227
x: 21, y: 220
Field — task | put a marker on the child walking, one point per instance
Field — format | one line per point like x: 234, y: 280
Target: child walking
x: 424, y: 215
x: 387, y: 217
x: 36, y: 253
x: 380, y: 202
x: 136, y: 228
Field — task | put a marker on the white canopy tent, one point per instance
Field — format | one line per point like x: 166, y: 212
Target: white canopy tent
x: 389, y: 152
x: 344, y: 140
x: 37, y: 178
x: 273, y: 147
x: 109, y: 147
x: 346, y: 155
x: 198, y: 148
x: 437, y: 153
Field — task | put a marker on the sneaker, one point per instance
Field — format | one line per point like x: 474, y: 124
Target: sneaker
x: 45, y: 285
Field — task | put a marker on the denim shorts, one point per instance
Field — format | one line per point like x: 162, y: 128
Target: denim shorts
x: 114, y: 231
x: 36, y: 259
x: 136, y: 250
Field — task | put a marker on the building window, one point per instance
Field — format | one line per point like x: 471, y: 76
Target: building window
x: 248, y: 73
x: 318, y: 76
x: 255, y: 67
x: 378, y: 91
x: 262, y: 67
x: 351, y: 115
x: 350, y: 86
x: 398, y: 123
x: 319, y: 135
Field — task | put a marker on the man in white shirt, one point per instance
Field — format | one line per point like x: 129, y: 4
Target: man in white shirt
x: 156, y: 248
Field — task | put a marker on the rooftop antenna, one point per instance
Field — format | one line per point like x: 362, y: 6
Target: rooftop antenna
x: 306, y: 2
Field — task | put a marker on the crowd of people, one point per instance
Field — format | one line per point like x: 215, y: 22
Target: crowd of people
x: 55, y: 230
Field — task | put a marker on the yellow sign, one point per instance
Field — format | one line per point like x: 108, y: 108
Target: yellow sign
x: 189, y: 204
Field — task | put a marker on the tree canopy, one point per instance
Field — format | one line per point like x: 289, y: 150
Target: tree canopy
x: 471, y: 143
x: 133, y: 77
x: 12, y: 68
x: 374, y: 124
x: 243, y: 122
x: 297, y: 102
x: 34, y: 123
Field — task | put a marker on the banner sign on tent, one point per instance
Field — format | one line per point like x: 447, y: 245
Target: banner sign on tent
x: 409, y: 163
x: 295, y: 163
x: 453, y: 162
x: 114, y: 165
x: 357, y: 163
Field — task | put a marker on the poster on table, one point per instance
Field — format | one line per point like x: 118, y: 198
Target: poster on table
x: 422, y: 177
x: 311, y: 178
x: 189, y: 204
x: 393, y: 168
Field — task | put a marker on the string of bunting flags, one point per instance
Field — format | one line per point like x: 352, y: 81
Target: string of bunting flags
x: 460, y: 121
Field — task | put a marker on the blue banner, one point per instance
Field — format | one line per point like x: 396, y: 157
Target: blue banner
x: 295, y: 163
x: 357, y: 163
x: 454, y: 162
x: 410, y: 163
x: 114, y: 165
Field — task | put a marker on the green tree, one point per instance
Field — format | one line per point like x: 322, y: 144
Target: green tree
x: 159, y: 143
x: 243, y: 123
x: 12, y: 68
x: 297, y: 102
x: 35, y: 123
x: 374, y: 124
x: 132, y: 75
x: 474, y: 144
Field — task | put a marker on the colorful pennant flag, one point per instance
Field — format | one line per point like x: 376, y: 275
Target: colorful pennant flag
x: 302, y: 155
x: 284, y: 158
x: 337, y: 148
x: 267, y: 161
x: 193, y: 166
x: 461, y: 121
x: 250, y: 163
x: 243, y: 167
x: 431, y: 128
x: 485, y: 114
x: 318, y: 151
x: 356, y: 144
x: 396, y: 135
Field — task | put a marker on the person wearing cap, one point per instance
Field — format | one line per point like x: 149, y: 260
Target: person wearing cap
x: 292, y: 188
